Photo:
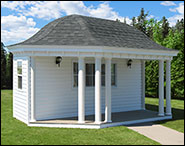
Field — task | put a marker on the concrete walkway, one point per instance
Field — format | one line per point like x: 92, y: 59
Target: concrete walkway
x: 159, y: 133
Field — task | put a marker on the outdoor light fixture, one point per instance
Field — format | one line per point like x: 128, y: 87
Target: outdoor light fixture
x: 58, y: 61
x: 129, y: 63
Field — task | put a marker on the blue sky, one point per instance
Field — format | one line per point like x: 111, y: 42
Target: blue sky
x: 21, y: 19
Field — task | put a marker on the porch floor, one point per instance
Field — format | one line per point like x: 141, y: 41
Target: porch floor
x: 120, y: 118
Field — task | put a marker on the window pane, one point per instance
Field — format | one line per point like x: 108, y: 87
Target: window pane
x: 103, y: 74
x: 75, y: 68
x: 93, y: 80
x: 113, y: 69
x: 103, y: 69
x: 93, y: 69
x: 19, y: 67
x: 89, y: 80
x: 103, y: 80
x: 75, y: 84
x: 89, y: 69
x: 19, y: 82
x: 113, y: 80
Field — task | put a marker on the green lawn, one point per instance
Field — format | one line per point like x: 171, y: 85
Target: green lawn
x: 177, y: 122
x: 14, y: 132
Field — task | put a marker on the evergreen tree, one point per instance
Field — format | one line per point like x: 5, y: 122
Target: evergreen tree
x: 133, y: 23
x: 125, y: 21
x: 9, y: 70
x: 3, y: 66
x: 150, y: 28
x: 152, y: 82
x: 165, y: 27
x: 117, y: 20
x: 157, y: 33
x: 175, y: 40
x: 142, y: 22
x: 179, y: 25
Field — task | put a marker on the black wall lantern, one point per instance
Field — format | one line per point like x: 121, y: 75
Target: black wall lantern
x: 129, y: 63
x: 58, y: 61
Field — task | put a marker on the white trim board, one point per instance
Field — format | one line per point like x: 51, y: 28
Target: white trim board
x: 103, y: 55
x: 32, y: 49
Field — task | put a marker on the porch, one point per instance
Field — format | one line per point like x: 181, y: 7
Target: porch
x: 118, y: 119
x: 133, y: 101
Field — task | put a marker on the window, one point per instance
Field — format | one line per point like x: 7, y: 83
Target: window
x: 20, y: 82
x: 90, y: 74
x: 113, y: 74
x: 75, y: 74
x: 19, y: 67
x: 19, y: 73
x: 103, y: 74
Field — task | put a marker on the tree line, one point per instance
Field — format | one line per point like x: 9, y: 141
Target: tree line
x: 158, y: 31
x: 170, y: 37
x: 6, y: 69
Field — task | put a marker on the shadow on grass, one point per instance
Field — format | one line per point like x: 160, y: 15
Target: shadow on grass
x: 177, y: 114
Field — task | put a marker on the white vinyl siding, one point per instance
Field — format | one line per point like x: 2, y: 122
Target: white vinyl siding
x: 20, y: 95
x: 55, y: 96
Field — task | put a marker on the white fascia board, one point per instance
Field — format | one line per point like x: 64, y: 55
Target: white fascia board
x: 90, y: 49
x: 113, y: 55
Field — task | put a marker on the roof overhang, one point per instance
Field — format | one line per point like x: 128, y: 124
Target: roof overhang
x: 90, y: 51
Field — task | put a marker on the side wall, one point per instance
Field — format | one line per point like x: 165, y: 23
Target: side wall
x: 20, y: 96
x: 56, y: 98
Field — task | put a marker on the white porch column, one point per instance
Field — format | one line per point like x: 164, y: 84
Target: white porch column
x: 32, y: 59
x: 81, y: 90
x: 98, y: 90
x: 168, y: 88
x: 161, y: 88
x: 143, y: 85
x: 108, y: 90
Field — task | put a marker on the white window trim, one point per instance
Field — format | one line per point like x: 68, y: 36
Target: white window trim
x: 92, y: 62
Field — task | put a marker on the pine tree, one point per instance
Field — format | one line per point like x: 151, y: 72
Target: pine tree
x: 179, y: 25
x: 133, y: 23
x: 150, y: 28
x: 3, y: 66
x: 9, y: 70
x: 175, y: 40
x: 163, y: 34
x: 117, y: 20
x: 165, y: 27
x: 141, y: 25
x: 125, y: 21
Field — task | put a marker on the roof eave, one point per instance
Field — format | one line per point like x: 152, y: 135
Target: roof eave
x: 48, y: 48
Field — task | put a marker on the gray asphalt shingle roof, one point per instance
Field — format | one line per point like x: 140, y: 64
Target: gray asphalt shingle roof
x: 80, y: 30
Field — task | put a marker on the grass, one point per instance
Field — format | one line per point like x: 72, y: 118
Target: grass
x: 14, y: 132
x: 177, y: 122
